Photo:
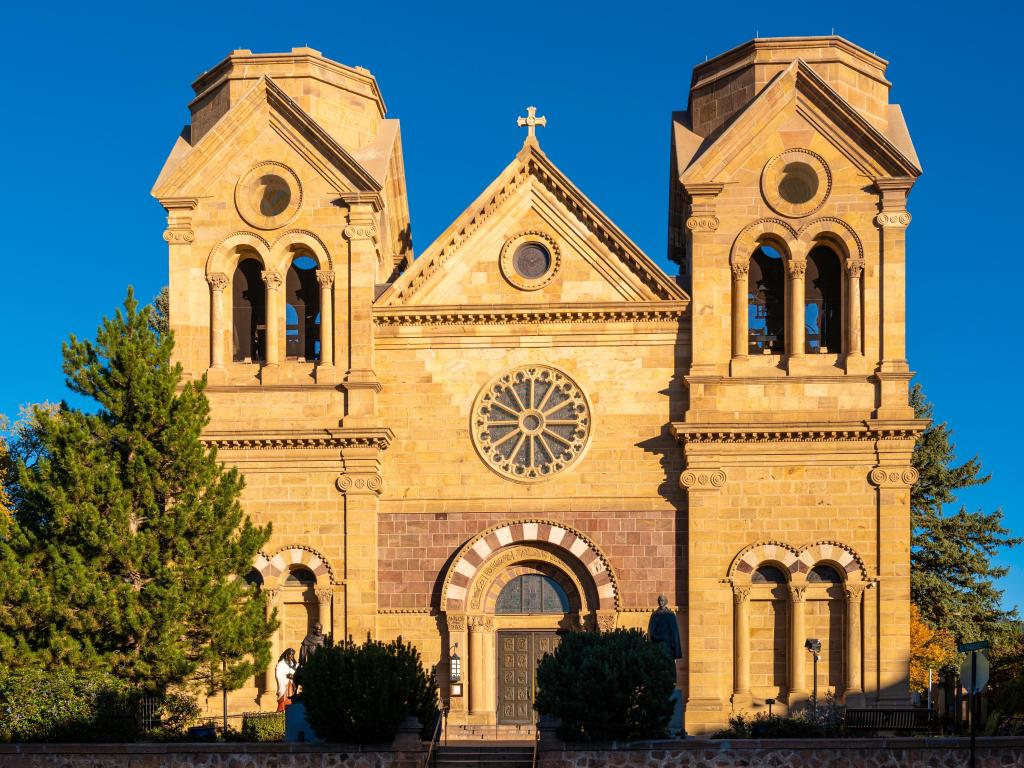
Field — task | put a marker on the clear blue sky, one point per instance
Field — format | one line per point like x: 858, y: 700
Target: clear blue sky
x: 96, y: 93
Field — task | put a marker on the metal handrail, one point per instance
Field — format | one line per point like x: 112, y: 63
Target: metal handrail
x: 536, y: 740
x: 434, y: 741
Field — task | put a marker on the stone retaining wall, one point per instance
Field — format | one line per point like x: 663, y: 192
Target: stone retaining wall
x: 790, y: 753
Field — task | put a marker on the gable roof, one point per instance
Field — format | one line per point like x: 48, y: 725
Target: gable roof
x: 336, y: 164
x: 530, y: 163
x: 874, y: 152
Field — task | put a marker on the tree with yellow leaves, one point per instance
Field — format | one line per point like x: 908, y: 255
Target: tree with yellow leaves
x: 930, y: 648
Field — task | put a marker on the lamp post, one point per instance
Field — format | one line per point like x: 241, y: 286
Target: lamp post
x: 769, y: 702
x: 813, y: 645
x: 455, y: 672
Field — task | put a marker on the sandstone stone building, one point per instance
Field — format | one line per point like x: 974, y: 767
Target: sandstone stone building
x: 529, y: 428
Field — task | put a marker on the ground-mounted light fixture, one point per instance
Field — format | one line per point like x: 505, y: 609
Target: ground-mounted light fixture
x: 769, y: 702
x: 455, y: 672
x: 813, y: 645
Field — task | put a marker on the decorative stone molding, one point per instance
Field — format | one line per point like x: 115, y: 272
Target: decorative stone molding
x: 481, y: 623
x: 740, y: 594
x: 178, y: 236
x: 892, y: 219
x: 894, y: 477
x: 853, y: 592
x: 606, y: 620
x: 702, y: 223
x: 702, y: 479
x: 854, y: 267
x: 379, y: 439
x: 360, y: 482
x: 325, y: 277
x: 509, y: 269
x: 360, y: 232
x: 324, y: 596
x: 287, y: 243
x: 218, y: 281
x: 272, y: 278
x: 797, y: 562
x: 224, y: 255
x: 427, y: 316
x: 692, y: 433
x: 832, y: 228
x: 741, y: 270
x: 798, y: 594
x: 456, y: 622
x: 272, y: 595
x: 780, y: 232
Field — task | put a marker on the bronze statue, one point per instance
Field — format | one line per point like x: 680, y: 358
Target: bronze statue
x: 663, y: 629
x: 311, y: 643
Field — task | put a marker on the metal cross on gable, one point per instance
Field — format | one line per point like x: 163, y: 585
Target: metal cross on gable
x: 531, y: 121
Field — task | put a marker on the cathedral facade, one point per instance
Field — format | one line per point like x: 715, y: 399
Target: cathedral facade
x: 529, y: 428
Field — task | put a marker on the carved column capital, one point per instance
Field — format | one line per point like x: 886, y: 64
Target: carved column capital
x: 796, y: 268
x: 272, y: 595
x: 360, y: 232
x: 218, y: 281
x: 740, y: 595
x: 606, y: 620
x: 481, y: 623
x: 702, y: 479
x: 854, y: 592
x: 894, y: 477
x: 272, y: 278
x: 741, y: 270
x: 456, y: 622
x: 855, y: 267
x: 325, y: 277
x: 797, y: 594
x: 324, y: 595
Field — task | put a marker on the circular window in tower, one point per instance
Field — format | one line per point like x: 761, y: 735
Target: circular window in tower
x: 530, y: 423
x: 269, y: 195
x: 796, y: 182
x: 530, y: 260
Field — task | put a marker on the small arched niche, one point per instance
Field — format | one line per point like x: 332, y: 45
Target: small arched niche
x: 248, y: 311
x: 766, y: 302
x: 823, y: 302
x: 302, y: 310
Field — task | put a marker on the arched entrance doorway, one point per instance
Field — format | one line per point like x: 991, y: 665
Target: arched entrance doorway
x: 508, y: 596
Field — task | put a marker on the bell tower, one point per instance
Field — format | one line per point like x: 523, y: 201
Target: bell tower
x: 790, y: 176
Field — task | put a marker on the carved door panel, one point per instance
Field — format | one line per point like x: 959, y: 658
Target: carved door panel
x: 518, y: 654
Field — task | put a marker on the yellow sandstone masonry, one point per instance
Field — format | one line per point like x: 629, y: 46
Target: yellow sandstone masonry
x: 529, y: 428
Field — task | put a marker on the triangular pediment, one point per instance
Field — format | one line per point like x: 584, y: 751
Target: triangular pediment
x: 800, y: 89
x: 265, y: 105
x: 597, y: 264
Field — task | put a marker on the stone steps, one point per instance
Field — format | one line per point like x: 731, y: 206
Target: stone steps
x: 476, y: 756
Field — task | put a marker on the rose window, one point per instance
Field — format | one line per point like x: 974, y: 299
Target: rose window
x: 531, y: 422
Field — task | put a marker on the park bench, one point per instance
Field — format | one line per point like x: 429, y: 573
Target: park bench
x: 869, y: 721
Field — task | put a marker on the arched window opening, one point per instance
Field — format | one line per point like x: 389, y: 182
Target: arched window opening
x: 300, y: 577
x: 823, y: 302
x: 532, y: 593
x: 824, y: 574
x: 768, y: 574
x: 248, y: 312
x: 302, y: 311
x: 766, y: 302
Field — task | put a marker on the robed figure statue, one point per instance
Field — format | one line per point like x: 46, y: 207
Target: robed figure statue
x: 311, y: 643
x: 663, y: 629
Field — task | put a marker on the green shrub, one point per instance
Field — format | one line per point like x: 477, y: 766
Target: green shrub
x: 64, y: 705
x: 360, y: 694
x: 825, y: 720
x: 607, y: 686
x: 263, y: 726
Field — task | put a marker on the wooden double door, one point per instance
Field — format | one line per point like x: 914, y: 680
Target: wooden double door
x: 518, y: 655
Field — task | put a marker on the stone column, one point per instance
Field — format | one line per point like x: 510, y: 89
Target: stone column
x: 361, y: 485
x: 218, y: 282
x: 479, y: 704
x: 270, y: 681
x: 323, y: 597
x: 326, y: 279
x: 854, y: 269
x: 741, y: 659
x: 361, y: 382
x: 275, y: 317
x: 893, y: 220
x: 740, y: 292
x: 795, y: 321
x: 853, y: 687
x: 797, y: 652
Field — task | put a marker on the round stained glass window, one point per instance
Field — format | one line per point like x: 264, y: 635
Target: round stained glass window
x: 530, y: 260
x: 530, y: 423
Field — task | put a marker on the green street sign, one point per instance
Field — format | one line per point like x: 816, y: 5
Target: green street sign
x: 968, y: 647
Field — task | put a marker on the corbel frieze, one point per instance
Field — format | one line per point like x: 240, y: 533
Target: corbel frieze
x: 894, y: 477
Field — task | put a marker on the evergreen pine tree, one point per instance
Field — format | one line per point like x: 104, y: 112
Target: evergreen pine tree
x: 131, y: 526
x: 952, y: 575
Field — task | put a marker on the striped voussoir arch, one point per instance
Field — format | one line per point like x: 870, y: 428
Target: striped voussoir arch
x: 475, y: 553
x: 797, y: 561
x: 272, y: 568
